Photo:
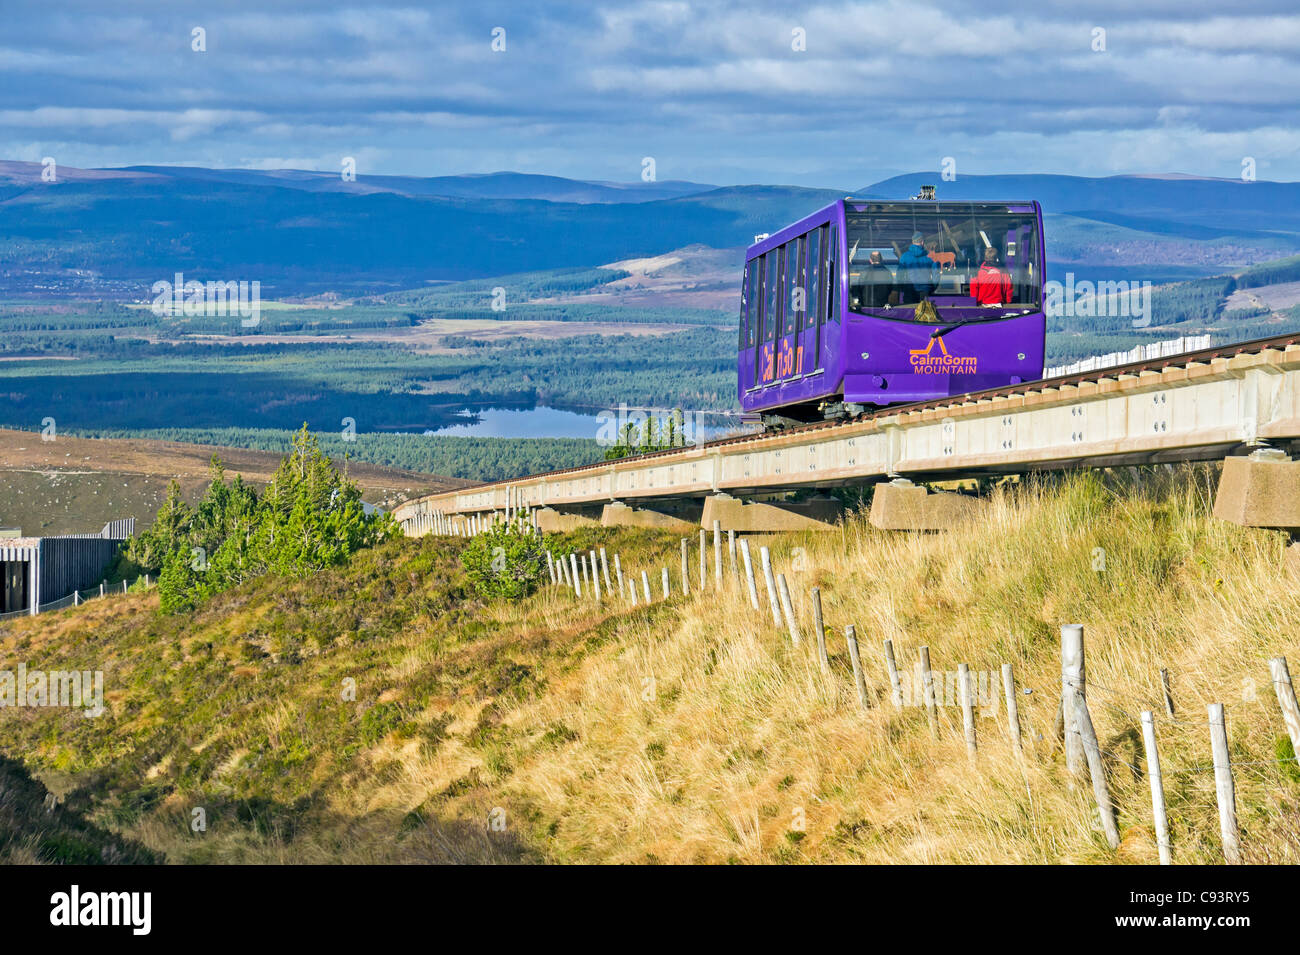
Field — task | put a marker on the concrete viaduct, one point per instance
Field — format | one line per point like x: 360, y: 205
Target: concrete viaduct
x: 1240, y: 402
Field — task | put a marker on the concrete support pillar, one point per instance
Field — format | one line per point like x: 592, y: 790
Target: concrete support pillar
x: 733, y: 514
x: 1262, y: 490
x: 901, y: 505
x: 618, y: 514
x: 553, y: 522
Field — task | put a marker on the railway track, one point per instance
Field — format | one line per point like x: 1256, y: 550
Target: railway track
x: 943, y: 436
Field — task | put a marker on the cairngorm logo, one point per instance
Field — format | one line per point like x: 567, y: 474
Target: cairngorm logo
x: 924, y: 363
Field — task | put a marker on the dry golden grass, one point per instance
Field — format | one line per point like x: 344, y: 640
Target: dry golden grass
x: 692, y: 730
x: 710, y: 738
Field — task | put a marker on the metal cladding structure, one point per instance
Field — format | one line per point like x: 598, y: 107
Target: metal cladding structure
x: 36, y: 572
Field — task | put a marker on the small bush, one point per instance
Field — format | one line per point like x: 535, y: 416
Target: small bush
x: 507, y: 560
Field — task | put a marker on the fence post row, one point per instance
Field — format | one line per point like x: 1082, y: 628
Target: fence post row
x: 1096, y: 769
x: 704, y: 564
x: 1157, y: 786
x: 1072, y: 685
x: 1224, y: 790
x: 1074, y: 719
x: 787, y: 609
x: 766, y: 557
x: 895, y: 684
x: 749, y: 572
x: 967, y: 708
x: 1285, y: 691
x: 1013, y: 709
x: 717, y: 554
x: 927, y: 685
x: 851, y: 638
x: 821, y: 628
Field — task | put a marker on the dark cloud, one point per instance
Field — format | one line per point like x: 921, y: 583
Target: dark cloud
x: 714, y: 91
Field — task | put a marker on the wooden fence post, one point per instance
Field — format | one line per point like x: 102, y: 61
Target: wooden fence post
x: 1013, y: 708
x: 749, y: 572
x: 895, y: 684
x: 632, y: 589
x: 1157, y: 786
x: 1169, y: 696
x: 618, y: 572
x: 1096, y: 769
x: 550, y: 566
x: 1073, y: 676
x: 704, y: 564
x: 1224, y: 789
x: 686, y: 569
x: 717, y: 554
x: 851, y: 638
x: 821, y: 628
x: 927, y: 688
x: 664, y: 576
x: 766, y: 558
x: 731, y: 552
x: 577, y: 585
x: 967, y: 708
x: 604, y: 567
x: 645, y: 585
x: 787, y: 609
x: 1285, y: 691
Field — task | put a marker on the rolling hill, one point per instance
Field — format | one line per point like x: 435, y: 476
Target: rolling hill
x: 115, y: 232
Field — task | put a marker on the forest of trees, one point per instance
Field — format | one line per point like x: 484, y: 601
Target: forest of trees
x: 307, y: 518
x: 471, y: 458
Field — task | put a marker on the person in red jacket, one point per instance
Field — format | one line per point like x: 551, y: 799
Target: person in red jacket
x: 992, y: 285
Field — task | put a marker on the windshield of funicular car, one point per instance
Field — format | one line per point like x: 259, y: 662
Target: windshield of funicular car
x: 955, y: 255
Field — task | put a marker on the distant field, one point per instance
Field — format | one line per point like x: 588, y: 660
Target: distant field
x: 428, y: 336
x: 655, y: 331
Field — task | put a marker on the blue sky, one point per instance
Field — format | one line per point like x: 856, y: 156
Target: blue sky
x: 715, y: 92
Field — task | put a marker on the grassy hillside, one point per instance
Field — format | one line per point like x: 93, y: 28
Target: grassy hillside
x: 35, y: 828
x: 692, y: 730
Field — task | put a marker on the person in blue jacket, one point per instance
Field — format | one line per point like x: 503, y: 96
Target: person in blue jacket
x: 918, y: 274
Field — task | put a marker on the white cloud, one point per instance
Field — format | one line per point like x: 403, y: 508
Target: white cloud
x: 884, y: 83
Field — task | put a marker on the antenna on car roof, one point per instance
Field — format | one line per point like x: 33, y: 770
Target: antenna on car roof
x: 927, y: 192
